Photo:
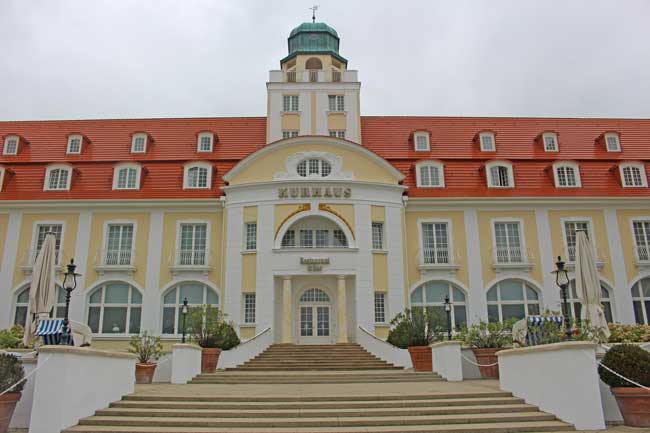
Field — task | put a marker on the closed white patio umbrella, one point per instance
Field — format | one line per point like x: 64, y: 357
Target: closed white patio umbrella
x: 588, y: 287
x: 42, y: 291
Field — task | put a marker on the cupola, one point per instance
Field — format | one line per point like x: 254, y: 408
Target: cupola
x: 314, y: 38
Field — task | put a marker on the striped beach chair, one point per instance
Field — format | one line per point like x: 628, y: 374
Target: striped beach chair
x: 50, y: 330
x: 535, y: 328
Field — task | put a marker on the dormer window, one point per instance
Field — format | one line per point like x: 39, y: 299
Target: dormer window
x: 487, y: 141
x: 430, y: 174
x: 314, y: 167
x: 57, y: 178
x: 204, y: 143
x: 567, y: 175
x: 550, y: 141
x: 127, y: 176
x: 500, y: 175
x: 74, y: 144
x: 421, y: 140
x: 139, y: 143
x: 633, y: 175
x: 612, y: 142
x: 11, y: 145
x: 197, y: 176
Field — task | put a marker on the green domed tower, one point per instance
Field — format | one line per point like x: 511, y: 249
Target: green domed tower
x: 314, y: 38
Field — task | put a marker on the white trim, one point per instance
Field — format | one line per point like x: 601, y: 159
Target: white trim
x: 487, y: 134
x: 100, y: 264
x: 174, y: 265
x: 576, y: 171
x: 526, y: 262
x: 525, y: 301
x: 6, y: 143
x: 198, y: 141
x: 553, y: 135
x: 125, y: 165
x: 9, y: 258
x: 633, y: 220
x: 175, y: 284
x: 34, y: 242
x: 499, y: 163
x: 49, y: 169
x: 292, y: 162
x: 430, y: 163
x: 592, y: 238
x: 277, y: 244
x: 447, y: 280
x: 618, y: 141
x: 638, y: 165
x: 424, y: 134
x: 154, y: 267
x: 74, y: 137
x: 450, y: 244
x: 197, y: 164
x: 101, y: 284
x: 135, y: 137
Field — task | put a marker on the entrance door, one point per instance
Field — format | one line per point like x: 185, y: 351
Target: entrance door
x: 315, y: 313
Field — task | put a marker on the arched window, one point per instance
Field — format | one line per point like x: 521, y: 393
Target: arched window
x: 21, y: 309
x: 197, y: 176
x: 567, y: 175
x: 430, y: 174
x: 314, y: 295
x: 512, y: 299
x: 115, y: 308
x: 58, y: 177
x: 641, y: 301
x: 126, y: 176
x: 431, y: 295
x: 314, y: 232
x: 196, y: 294
x: 500, y: 175
x: 576, y: 306
x: 313, y: 63
x: 314, y: 167
x: 633, y: 175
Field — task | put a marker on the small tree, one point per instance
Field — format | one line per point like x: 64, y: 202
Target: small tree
x: 11, y: 373
x: 493, y: 335
x: 12, y: 338
x: 629, y: 361
x: 417, y: 327
x: 146, y: 346
x: 206, y: 326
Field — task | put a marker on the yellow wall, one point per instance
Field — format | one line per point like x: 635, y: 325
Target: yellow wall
x: 26, y: 242
x: 530, y: 240
x: 378, y: 214
x: 625, y: 218
x: 98, y: 240
x: 346, y: 211
x: 301, y: 60
x: 381, y: 331
x: 291, y: 122
x: 4, y: 220
x: 284, y: 211
x: 246, y: 332
x: 336, y: 121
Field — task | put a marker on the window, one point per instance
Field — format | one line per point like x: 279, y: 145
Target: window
x: 570, y: 231
x: 21, y: 310
x: 550, y: 141
x: 119, y: 245
x: 339, y: 238
x: 197, y: 294
x: 57, y: 178
x: 314, y: 167
x: 198, y: 176
x: 314, y: 295
x: 289, y: 133
x: 430, y: 175
x: 193, y: 244
x: 567, y: 175
x: 380, y: 307
x: 487, y: 142
x: 11, y: 145
x: 575, y: 305
x: 435, y: 243
x: 642, y: 239
x: 421, y: 140
x: 507, y: 240
x: 126, y: 176
x: 115, y: 308
x: 306, y: 238
x: 204, y: 143
x: 74, y: 144
x: 510, y: 299
x: 251, y: 236
x: 314, y: 232
x: 337, y: 102
x: 431, y: 295
x: 641, y: 301
x: 41, y: 231
x: 612, y: 142
x: 289, y: 239
x: 500, y: 175
x: 139, y: 143
x: 290, y: 103
x: 633, y: 175
x: 249, y: 307
x: 338, y: 133
x: 377, y: 236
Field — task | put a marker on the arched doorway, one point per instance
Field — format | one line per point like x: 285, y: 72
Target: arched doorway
x: 315, y: 318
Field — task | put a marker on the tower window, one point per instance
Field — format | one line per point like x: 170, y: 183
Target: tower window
x: 290, y: 102
x: 314, y: 167
x: 338, y: 133
x: 337, y: 102
x: 289, y: 133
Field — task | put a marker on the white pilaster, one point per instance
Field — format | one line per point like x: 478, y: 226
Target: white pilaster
x: 551, y: 293
x: 396, y: 289
x: 78, y: 297
x: 232, y: 301
x: 287, y: 322
x: 365, y: 293
x: 341, y: 309
x: 264, y: 290
x: 477, y: 301
x: 352, y: 116
x: 151, y: 312
x: 8, y: 266
x: 622, y: 294
x: 305, y: 112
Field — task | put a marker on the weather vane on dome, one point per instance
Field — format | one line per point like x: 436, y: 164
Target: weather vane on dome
x: 313, y: 13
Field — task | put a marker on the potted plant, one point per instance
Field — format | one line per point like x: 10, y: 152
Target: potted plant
x: 148, y: 348
x: 207, y: 328
x: 486, y: 339
x: 11, y: 374
x: 415, y: 330
x: 633, y: 363
x: 12, y: 338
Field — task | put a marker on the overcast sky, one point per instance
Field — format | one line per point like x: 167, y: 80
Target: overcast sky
x: 71, y: 59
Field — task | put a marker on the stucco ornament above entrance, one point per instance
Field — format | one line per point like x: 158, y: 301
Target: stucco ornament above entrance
x: 334, y: 161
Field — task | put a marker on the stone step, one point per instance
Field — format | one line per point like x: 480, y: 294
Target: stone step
x: 307, y: 380
x: 315, y: 368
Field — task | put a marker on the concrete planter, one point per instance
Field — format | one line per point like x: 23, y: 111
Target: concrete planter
x: 485, y: 357
x: 144, y: 372
x: 421, y: 358
x: 209, y: 359
x: 634, y: 404
x: 8, y: 403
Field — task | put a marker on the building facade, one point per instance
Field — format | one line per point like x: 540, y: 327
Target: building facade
x: 317, y: 222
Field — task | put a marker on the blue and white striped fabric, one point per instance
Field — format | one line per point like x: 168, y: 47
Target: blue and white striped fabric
x: 535, y: 331
x: 50, y: 330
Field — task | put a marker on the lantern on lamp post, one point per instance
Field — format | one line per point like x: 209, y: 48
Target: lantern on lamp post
x: 448, y: 311
x: 69, y: 284
x: 184, y: 313
x: 562, y: 281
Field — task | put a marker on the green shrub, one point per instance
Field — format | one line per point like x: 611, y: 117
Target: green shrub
x: 629, y: 361
x: 146, y: 346
x: 12, y: 338
x: 629, y: 333
x: 11, y: 372
x: 417, y: 327
x: 206, y: 326
x: 493, y: 335
x: 227, y: 336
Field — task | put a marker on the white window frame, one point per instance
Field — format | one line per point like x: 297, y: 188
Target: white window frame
x: 290, y: 107
x: 419, y: 134
x: 590, y: 231
x: 638, y: 247
x: 522, y: 240
x: 615, y: 135
x: 179, y: 302
x: 102, y: 305
x: 133, y: 142
x: 72, y: 137
x: 48, y: 171
x: 289, y: 133
x: 252, y: 245
x: 34, y: 250
x: 337, y: 133
x: 245, y: 308
x: 641, y: 299
x: 57, y: 313
x: 336, y: 103
x: 552, y: 135
x: 511, y: 175
x: 186, y: 172
x: 6, y: 144
x: 200, y: 137
x: 451, y: 285
x: 576, y: 171
x: 631, y: 165
x: 177, y: 262
x: 382, y: 236
x: 450, y: 241
x: 487, y: 134
x: 121, y: 222
x: 383, y: 310
x: 441, y: 173
x: 2, y: 177
x: 525, y: 301
x: 126, y: 165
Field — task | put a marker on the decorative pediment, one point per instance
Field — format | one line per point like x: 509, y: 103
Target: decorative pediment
x: 335, y: 163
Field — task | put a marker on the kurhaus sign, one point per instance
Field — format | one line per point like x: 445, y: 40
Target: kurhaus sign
x: 315, y: 191
x: 314, y: 264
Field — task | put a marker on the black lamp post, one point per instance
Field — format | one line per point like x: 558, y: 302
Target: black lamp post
x: 184, y: 313
x: 562, y: 281
x: 69, y: 284
x: 448, y: 311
